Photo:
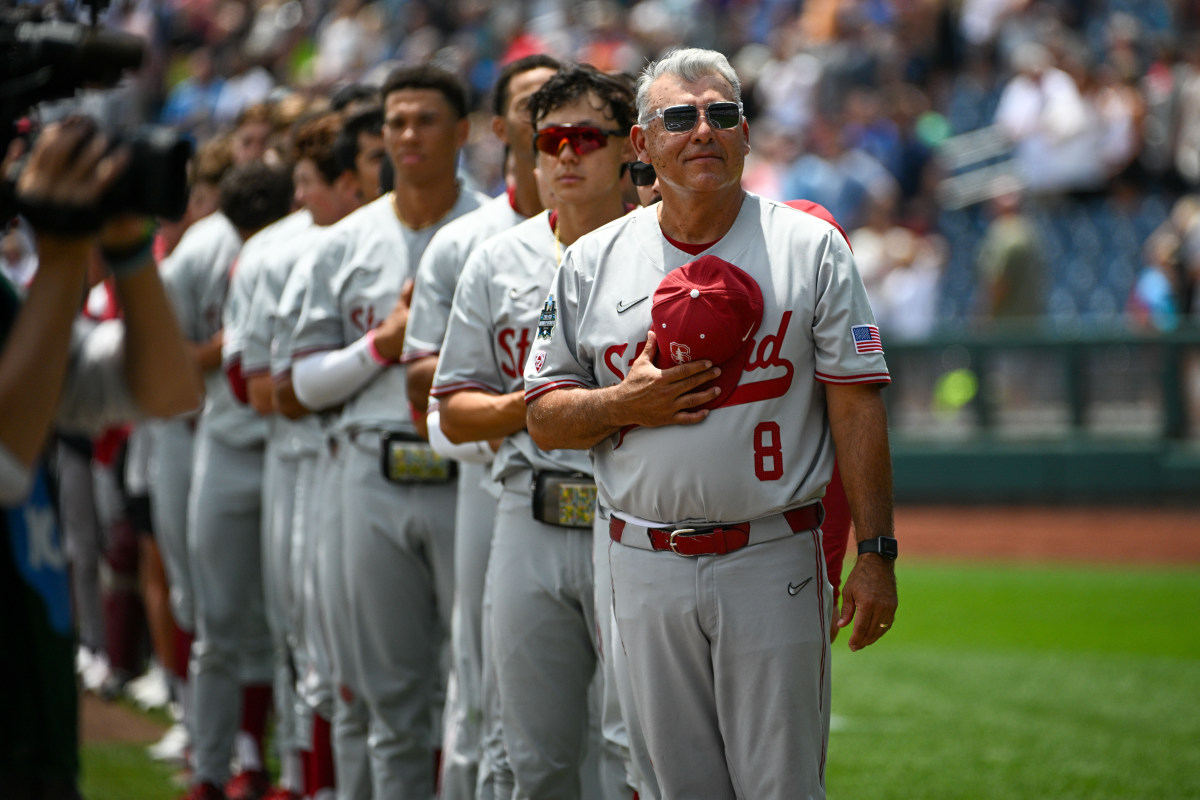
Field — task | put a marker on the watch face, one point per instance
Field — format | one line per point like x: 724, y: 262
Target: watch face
x: 883, y: 545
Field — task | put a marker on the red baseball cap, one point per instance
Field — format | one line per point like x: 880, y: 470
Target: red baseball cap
x: 707, y: 309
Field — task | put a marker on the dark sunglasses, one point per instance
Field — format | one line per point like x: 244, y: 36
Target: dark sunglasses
x: 642, y: 174
x: 583, y: 139
x: 681, y: 119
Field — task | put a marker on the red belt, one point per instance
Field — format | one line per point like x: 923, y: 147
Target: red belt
x: 719, y: 539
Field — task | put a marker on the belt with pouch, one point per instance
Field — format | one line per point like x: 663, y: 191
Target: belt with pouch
x: 566, y: 499
x: 406, y: 458
x: 716, y: 540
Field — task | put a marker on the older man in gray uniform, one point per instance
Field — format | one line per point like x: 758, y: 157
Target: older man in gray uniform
x: 713, y: 352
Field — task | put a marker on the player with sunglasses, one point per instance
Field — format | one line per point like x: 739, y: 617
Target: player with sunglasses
x: 547, y: 628
x: 715, y: 352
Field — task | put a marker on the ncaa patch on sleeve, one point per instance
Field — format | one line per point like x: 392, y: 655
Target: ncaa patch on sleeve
x: 547, y: 319
x: 866, y: 339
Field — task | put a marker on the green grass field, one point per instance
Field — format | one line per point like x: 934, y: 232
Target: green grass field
x: 998, y: 682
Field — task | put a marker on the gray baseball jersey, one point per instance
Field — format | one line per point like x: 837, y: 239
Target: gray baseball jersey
x: 397, y: 539
x: 358, y: 274
x: 266, y: 256
x: 440, y: 268
x: 496, y: 310
x: 324, y: 647
x: 767, y: 449
x: 196, y: 276
x: 232, y: 645
x: 262, y: 268
x: 437, y: 277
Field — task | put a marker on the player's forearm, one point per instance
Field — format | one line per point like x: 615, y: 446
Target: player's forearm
x: 472, y: 452
x: 418, y: 376
x: 261, y: 392
x: 283, y: 393
x: 33, y: 364
x: 472, y: 416
x: 157, y: 367
x: 207, y: 355
x: 325, y: 380
x: 573, y: 419
x: 858, y: 422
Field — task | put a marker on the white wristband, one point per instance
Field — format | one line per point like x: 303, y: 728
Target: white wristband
x: 323, y: 380
x: 471, y: 452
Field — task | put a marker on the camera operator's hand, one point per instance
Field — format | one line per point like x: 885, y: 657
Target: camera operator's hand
x: 68, y: 172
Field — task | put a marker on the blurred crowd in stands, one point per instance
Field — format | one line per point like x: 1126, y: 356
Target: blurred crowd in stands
x: 1095, y: 104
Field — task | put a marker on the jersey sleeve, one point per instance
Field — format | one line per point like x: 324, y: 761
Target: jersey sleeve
x: 467, y: 360
x: 96, y: 394
x: 319, y: 326
x: 179, y: 280
x: 846, y: 342
x: 555, y: 360
x: 235, y: 314
x: 433, y: 294
x: 287, y: 316
x: 260, y: 320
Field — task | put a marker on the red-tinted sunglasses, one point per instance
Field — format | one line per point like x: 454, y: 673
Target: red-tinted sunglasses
x: 583, y: 139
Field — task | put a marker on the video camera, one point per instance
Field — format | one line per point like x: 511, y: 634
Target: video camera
x: 49, y: 59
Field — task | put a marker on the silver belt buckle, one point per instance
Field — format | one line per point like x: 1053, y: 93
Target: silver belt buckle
x: 671, y: 541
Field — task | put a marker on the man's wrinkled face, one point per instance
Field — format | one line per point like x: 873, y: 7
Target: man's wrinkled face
x: 706, y: 157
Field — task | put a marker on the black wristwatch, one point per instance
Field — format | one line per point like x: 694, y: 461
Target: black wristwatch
x: 885, y: 546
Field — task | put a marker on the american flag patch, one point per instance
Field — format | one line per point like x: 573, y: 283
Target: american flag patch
x: 866, y: 339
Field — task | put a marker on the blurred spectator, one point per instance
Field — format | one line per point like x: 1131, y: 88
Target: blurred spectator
x: 1187, y: 148
x: 249, y: 83
x: 1154, y: 302
x: 872, y: 248
x: 768, y: 160
x: 1011, y: 266
x: 838, y: 177
x: 909, y: 293
x: 348, y: 42
x: 192, y: 104
x: 787, y: 83
x: 1043, y: 113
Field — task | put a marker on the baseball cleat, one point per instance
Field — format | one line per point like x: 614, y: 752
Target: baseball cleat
x: 204, y: 791
x: 248, y: 785
x: 172, y: 747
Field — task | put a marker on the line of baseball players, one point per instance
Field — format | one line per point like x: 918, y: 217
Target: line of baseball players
x: 334, y: 564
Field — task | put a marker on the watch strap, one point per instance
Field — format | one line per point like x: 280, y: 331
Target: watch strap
x: 885, y: 546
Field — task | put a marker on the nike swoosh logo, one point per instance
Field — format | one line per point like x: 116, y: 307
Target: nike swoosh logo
x: 622, y: 306
x: 794, y: 590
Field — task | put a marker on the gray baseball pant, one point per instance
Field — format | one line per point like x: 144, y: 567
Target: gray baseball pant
x: 279, y: 496
x: 399, y: 567
x: 349, y: 722
x: 543, y: 642
x: 233, y: 644
x: 171, y: 464
x: 729, y: 667
x: 475, y: 518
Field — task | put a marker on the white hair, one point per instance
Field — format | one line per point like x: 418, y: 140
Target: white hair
x: 689, y: 64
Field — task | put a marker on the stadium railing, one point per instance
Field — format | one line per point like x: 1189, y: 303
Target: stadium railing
x: 1046, y: 415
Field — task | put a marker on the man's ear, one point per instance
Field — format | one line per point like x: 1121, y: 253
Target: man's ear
x: 462, y: 131
x: 745, y: 136
x: 346, y: 184
x: 499, y: 130
x: 637, y: 139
